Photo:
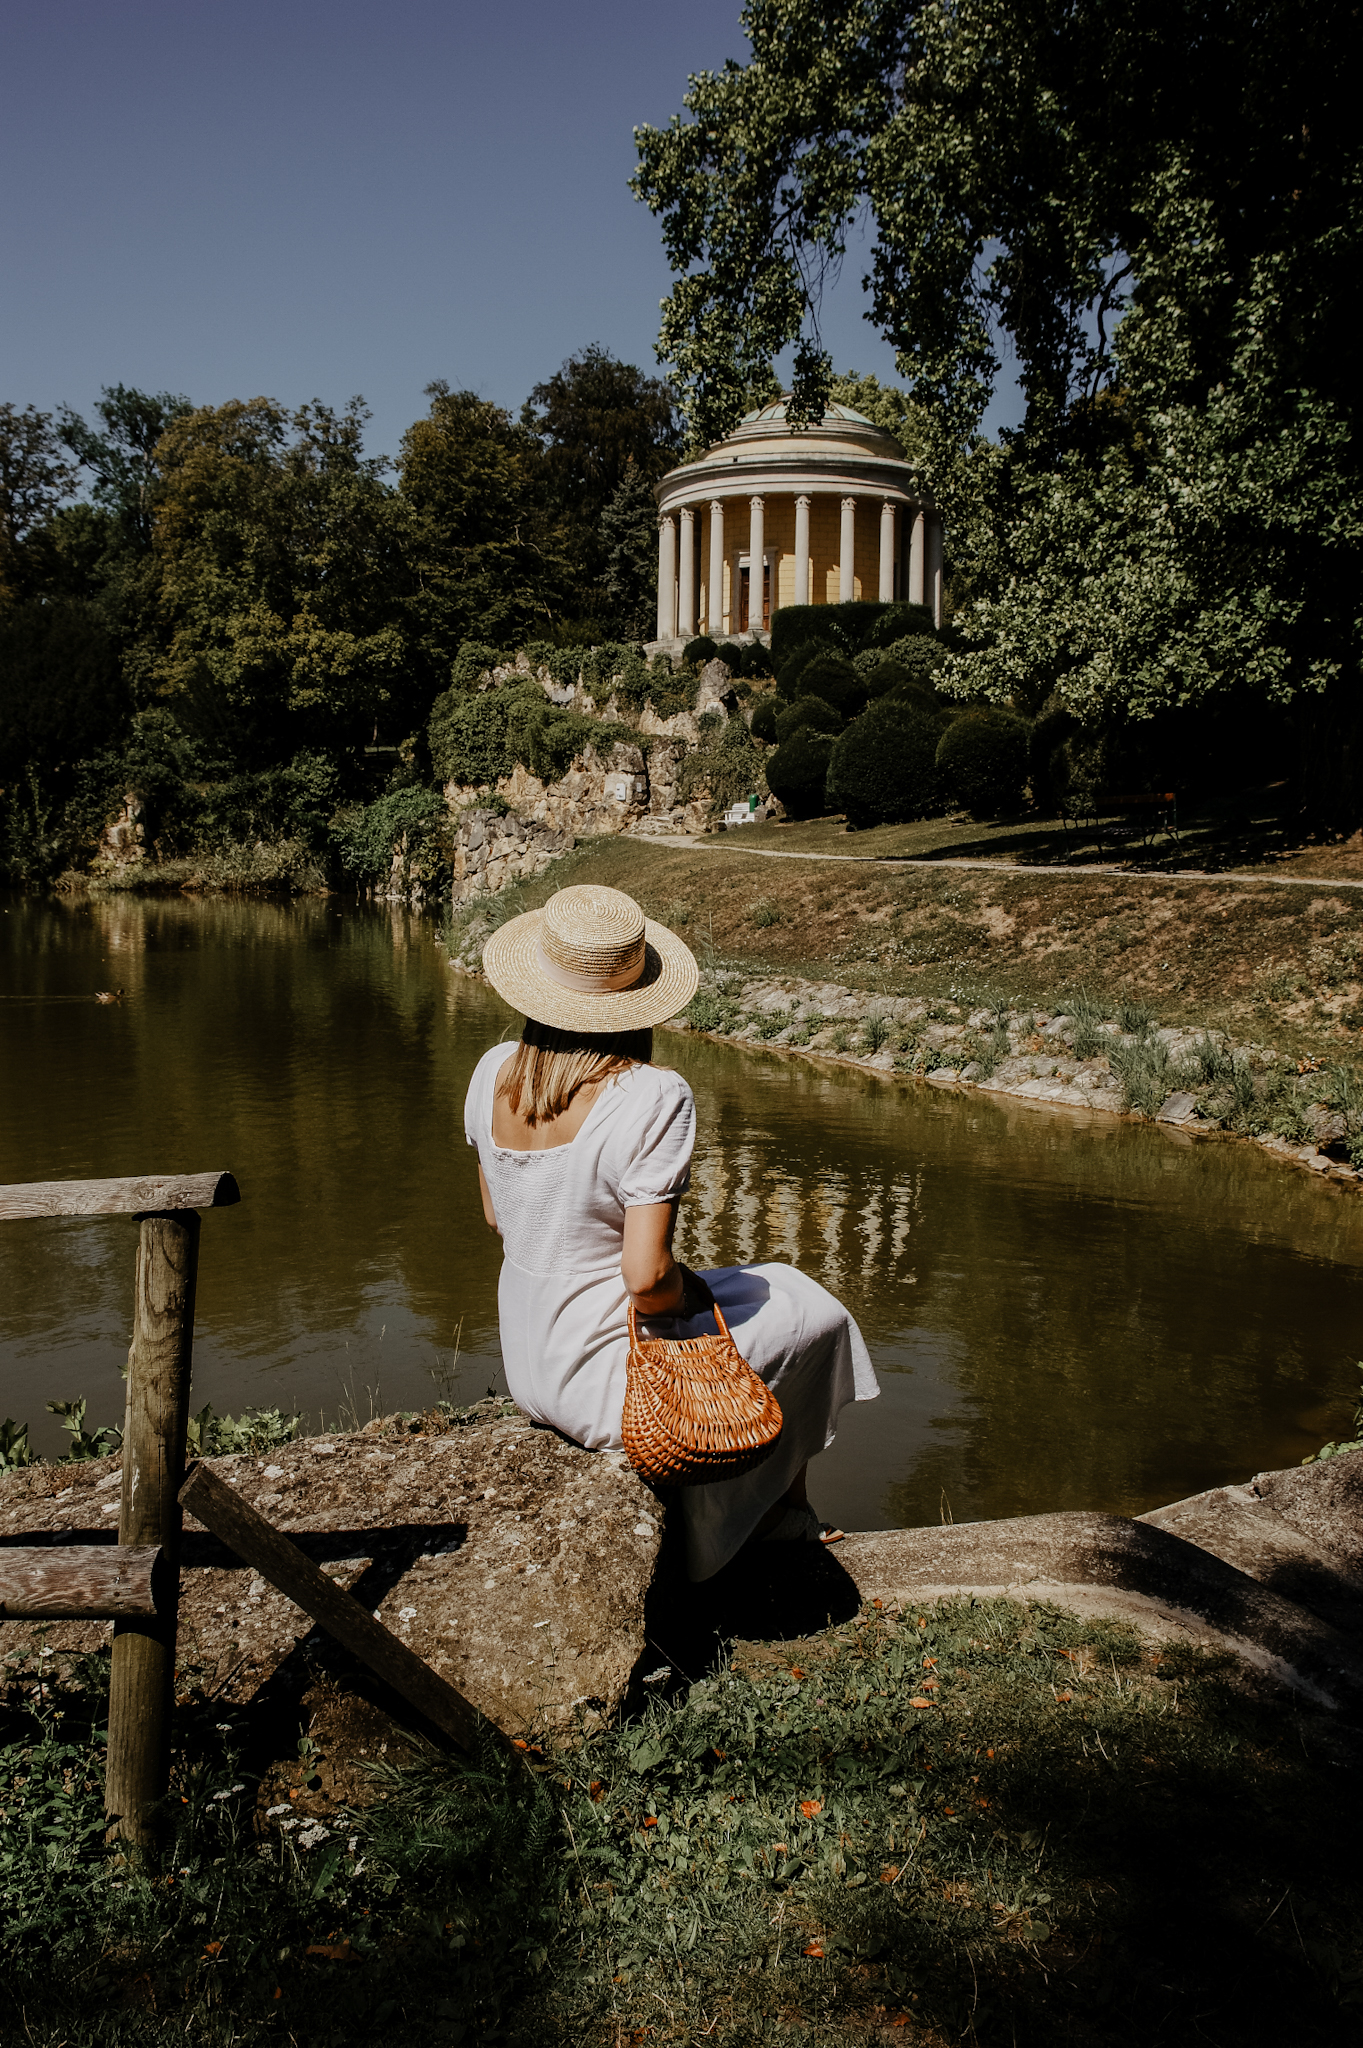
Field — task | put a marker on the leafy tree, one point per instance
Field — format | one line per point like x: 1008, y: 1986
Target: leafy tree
x: 282, y: 574
x: 485, y: 560
x: 123, y: 458
x: 596, y: 419
x: 885, y: 405
x: 1160, y: 210
x: 34, y: 478
x: 629, y: 542
x: 61, y: 690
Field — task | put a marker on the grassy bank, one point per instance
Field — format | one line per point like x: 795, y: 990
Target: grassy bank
x: 1281, y: 965
x: 975, y: 1821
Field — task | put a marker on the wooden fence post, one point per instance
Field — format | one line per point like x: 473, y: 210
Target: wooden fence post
x: 142, y: 1681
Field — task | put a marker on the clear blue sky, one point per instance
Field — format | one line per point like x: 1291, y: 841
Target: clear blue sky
x: 312, y: 201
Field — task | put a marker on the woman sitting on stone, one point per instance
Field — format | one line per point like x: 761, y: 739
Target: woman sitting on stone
x: 584, y: 1152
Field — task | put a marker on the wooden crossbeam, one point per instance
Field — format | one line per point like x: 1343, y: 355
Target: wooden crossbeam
x: 79, y: 1581
x: 157, y: 1191
x: 258, y: 1543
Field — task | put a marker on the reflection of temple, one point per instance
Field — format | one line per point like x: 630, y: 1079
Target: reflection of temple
x: 829, y: 513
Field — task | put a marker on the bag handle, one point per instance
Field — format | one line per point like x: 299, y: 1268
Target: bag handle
x: 718, y: 1312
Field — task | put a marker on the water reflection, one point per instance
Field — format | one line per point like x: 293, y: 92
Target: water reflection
x: 1065, y: 1313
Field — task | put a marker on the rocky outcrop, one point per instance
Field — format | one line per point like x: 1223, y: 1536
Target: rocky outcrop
x: 124, y: 839
x: 515, y: 1563
x: 493, y: 849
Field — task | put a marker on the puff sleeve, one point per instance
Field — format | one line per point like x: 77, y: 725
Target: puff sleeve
x: 658, y: 1167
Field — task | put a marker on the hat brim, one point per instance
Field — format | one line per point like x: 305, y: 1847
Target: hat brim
x: 511, y: 962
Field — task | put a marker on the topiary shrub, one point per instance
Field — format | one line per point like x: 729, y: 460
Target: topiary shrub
x: 883, y: 769
x: 763, y: 725
x: 896, y: 622
x: 754, y: 660
x: 832, y: 677
x: 983, y: 759
x: 797, y: 772
x: 922, y: 656
x: 700, y: 650
x: 814, y: 712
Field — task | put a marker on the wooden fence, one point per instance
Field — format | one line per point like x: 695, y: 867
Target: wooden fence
x: 136, y: 1584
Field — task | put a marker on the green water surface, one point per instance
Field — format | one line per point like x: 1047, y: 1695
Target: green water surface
x: 1066, y: 1311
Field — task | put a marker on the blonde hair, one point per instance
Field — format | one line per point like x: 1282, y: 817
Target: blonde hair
x: 549, y: 1066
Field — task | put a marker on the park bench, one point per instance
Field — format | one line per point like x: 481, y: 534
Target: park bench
x: 1112, y: 822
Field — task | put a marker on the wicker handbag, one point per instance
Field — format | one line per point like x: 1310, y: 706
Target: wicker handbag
x: 694, y: 1408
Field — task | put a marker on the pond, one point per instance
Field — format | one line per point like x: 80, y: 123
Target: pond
x: 1065, y: 1311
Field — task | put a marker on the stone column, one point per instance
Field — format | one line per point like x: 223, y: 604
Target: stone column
x: 667, y: 578
x: 756, y: 563
x: 802, y: 551
x: 887, y: 552
x: 847, y: 587
x: 916, y: 559
x: 716, y: 565
x: 932, y: 578
x: 686, y: 583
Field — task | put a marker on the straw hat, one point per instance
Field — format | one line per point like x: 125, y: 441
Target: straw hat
x: 591, y: 961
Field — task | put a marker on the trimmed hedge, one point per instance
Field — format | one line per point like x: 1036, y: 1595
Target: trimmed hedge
x: 838, y: 625
x: 898, y: 621
x: 983, y: 761
x: 814, y: 712
x: 700, y: 650
x: 883, y: 769
x: 798, y: 771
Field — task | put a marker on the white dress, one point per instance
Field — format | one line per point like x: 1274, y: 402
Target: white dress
x: 563, y: 1305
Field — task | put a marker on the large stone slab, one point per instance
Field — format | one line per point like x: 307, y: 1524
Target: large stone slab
x: 515, y: 1563
x: 1116, y: 1563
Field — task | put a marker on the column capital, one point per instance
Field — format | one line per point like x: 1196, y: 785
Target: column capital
x: 687, y: 511
x: 849, y: 503
x: 803, y: 498
x: 717, y: 507
x: 665, y: 519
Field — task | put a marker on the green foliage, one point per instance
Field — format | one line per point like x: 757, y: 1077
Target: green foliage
x: 63, y: 693
x: 883, y: 770
x: 884, y: 405
x: 798, y: 771
x: 407, y: 820
x: 598, y: 421
x: 710, y: 1009
x: 982, y: 758
x: 1183, y: 507
x: 764, y: 913
x: 629, y: 543
x: 764, y: 720
x: 700, y: 650
x: 812, y: 713
x: 831, y: 676
x: 899, y: 622
x: 842, y: 627
x: 84, y: 1443
x: 255, y: 1430
x: 471, y: 665
x: 34, y: 478
x: 124, y: 459
x: 726, y: 763
x: 15, y: 1450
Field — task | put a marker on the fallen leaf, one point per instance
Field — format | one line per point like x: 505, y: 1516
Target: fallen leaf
x: 1064, y: 1698
x: 779, y: 1849
x: 878, y: 1603
x: 651, y: 1822
x: 814, y: 1950
x: 889, y: 1873
x: 595, y: 1790
x: 989, y: 1752
x: 796, y: 1672
x: 721, y: 1754
x: 214, y: 1948
x: 334, y: 1951
x: 277, y: 1992
x: 950, y: 1811
x: 981, y: 1802
x: 920, y: 1703
x: 928, y: 1663
x: 809, y: 1807
x: 930, y: 1684
x: 921, y: 1622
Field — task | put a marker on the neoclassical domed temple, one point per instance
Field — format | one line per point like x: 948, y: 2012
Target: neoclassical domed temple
x: 830, y: 513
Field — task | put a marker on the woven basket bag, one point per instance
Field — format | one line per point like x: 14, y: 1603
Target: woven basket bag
x: 694, y: 1408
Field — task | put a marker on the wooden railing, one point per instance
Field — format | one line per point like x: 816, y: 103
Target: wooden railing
x: 136, y: 1584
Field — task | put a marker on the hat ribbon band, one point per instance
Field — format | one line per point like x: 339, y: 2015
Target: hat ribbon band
x: 604, y: 981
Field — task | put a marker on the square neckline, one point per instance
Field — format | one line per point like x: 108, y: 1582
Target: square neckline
x: 544, y: 1151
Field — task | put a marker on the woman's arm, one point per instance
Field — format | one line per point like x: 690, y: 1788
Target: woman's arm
x: 658, y: 1286
x: 486, y: 1193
